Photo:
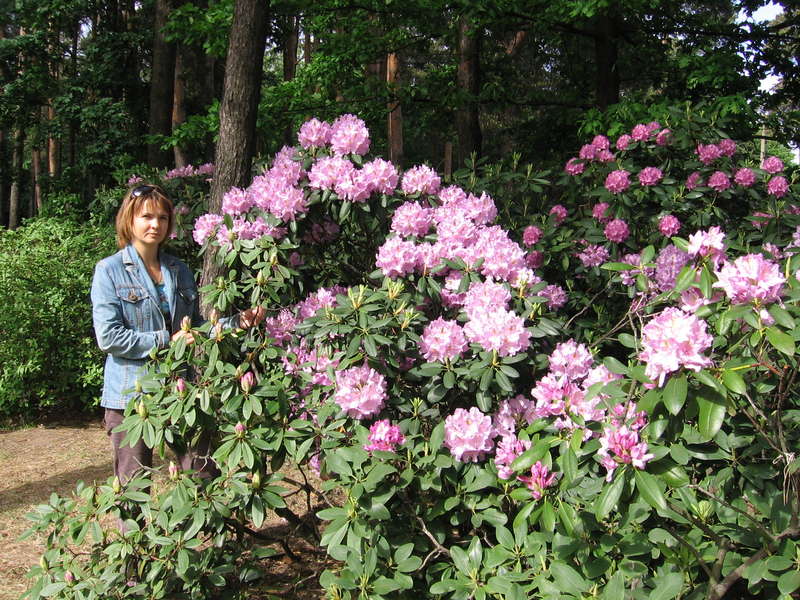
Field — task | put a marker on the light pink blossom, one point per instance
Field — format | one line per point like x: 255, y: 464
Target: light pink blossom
x: 617, y: 231
x: 468, y: 434
x: 778, y: 186
x: 420, y: 179
x: 719, y: 181
x: 539, y: 479
x: 772, y: 165
x: 531, y: 235
x: 751, y: 278
x: 349, y: 135
x: 650, y: 176
x: 617, y: 181
x: 744, y: 177
x: 442, y: 341
x: 314, y: 133
x: 384, y: 436
x: 508, y: 449
x: 360, y: 391
x: 669, y: 225
x: 559, y: 213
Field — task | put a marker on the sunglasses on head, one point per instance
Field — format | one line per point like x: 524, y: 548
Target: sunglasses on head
x: 141, y: 190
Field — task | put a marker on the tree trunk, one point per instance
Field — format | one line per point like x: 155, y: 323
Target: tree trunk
x: 395, y: 117
x: 290, y: 65
x: 238, y: 111
x: 605, y: 49
x: 53, y: 145
x: 3, y: 179
x: 16, y: 178
x: 36, y: 175
x: 162, y: 81
x: 468, y: 124
x: 179, y: 107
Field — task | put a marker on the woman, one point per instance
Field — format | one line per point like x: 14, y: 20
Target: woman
x: 140, y: 295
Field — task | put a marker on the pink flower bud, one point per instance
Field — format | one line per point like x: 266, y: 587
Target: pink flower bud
x: 69, y: 577
x: 247, y: 381
x: 180, y: 386
x: 186, y: 323
x: 173, y: 471
x: 240, y: 429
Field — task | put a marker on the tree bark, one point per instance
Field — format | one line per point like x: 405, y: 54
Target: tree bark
x: 238, y: 111
x: 36, y: 175
x: 162, y: 81
x: 179, y: 107
x: 468, y: 124
x: 16, y: 178
x: 3, y: 179
x: 290, y: 64
x: 605, y: 48
x: 395, y: 116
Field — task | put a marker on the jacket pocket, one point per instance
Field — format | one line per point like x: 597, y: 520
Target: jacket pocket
x: 132, y: 300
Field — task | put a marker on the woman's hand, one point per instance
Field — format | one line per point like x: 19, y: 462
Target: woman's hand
x: 251, y: 317
x: 187, y: 335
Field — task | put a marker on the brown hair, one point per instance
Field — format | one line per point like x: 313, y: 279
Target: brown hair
x: 136, y: 199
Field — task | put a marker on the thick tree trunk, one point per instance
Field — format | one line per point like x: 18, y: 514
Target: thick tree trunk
x: 179, y: 107
x: 605, y: 48
x: 395, y: 117
x: 16, y: 178
x: 290, y: 64
x: 238, y: 111
x: 36, y: 176
x: 162, y: 81
x: 53, y: 146
x: 3, y: 179
x: 468, y: 80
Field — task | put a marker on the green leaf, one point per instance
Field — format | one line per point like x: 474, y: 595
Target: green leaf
x: 789, y: 582
x: 568, y: 579
x: 674, y: 394
x: 615, y: 588
x: 666, y: 587
x: 781, y: 316
x: 734, y: 382
x: 610, y: 495
x: 650, y: 489
x: 711, y: 412
x: 781, y: 341
x: 685, y: 278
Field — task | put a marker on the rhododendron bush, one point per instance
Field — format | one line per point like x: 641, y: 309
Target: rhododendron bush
x: 589, y: 394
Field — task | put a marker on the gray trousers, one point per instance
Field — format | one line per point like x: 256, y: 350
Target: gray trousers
x: 130, y: 459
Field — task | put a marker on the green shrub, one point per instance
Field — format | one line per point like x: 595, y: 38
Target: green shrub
x: 48, y: 356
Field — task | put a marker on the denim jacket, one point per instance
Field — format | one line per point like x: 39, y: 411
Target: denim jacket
x: 127, y: 316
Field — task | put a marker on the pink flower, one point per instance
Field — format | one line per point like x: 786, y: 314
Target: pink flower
x: 559, y: 214
x: 205, y: 169
x: 571, y: 360
x: 640, y: 132
x: 327, y: 171
x: 617, y: 231
x: 384, y: 436
x: 601, y: 142
x: 134, y: 179
x: 694, y: 181
x: 247, y: 381
x: 512, y: 412
x: 205, y: 226
x: 69, y: 578
x: 751, y: 278
x: 727, y: 147
x: 531, y: 235
x: 349, y: 135
x: 600, y: 212
x: 397, y: 257
x: 484, y: 297
x: 621, y: 445
x: 593, y: 255
x: 778, y: 186
x: 240, y: 429
x: 650, y: 176
x: 180, y: 386
x: 556, y: 296
x: 442, y: 341
x: 708, y: 153
x: 468, y: 434
x: 719, y: 181
x: 421, y: 179
x: 499, y: 331
x: 534, y: 259
x: 623, y: 142
x: 669, y: 225
x: 760, y: 219
x: 314, y: 133
x: 709, y: 244
x: 360, y: 391
x: 574, y: 166
x: 539, y: 479
x: 772, y: 165
x: 669, y: 263
x: 380, y: 175
x: 587, y: 152
x: 411, y: 218
x: 506, y: 452
x: 673, y: 339
x: 617, y: 181
x: 744, y: 177
x: 664, y: 137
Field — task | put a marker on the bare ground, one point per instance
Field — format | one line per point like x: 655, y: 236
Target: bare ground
x: 36, y: 462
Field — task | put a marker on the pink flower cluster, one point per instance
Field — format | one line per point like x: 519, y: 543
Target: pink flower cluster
x: 421, y: 180
x: 189, y: 171
x: 751, y: 278
x: 600, y: 212
x: 412, y: 218
x: 650, y: 176
x: 539, y: 479
x: 349, y: 135
x: 531, y: 235
x: 593, y: 255
x: 621, y: 445
x: 360, y: 391
x: 618, y: 181
x: 498, y: 331
x: 708, y: 244
x: 669, y: 225
x: 442, y: 341
x: 673, y: 339
x: 468, y: 434
x: 384, y: 437
x: 617, y: 231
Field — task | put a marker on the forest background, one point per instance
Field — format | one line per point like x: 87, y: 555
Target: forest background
x: 95, y: 92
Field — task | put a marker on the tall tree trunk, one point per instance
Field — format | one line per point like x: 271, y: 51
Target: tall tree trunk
x: 179, y: 107
x: 468, y: 124
x: 36, y: 175
x: 53, y: 145
x: 3, y: 179
x: 238, y: 111
x: 308, y: 46
x: 16, y: 178
x: 290, y: 64
x: 162, y: 81
x: 395, y: 117
x: 607, y: 81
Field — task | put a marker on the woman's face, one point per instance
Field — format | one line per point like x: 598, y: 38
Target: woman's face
x: 150, y: 224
